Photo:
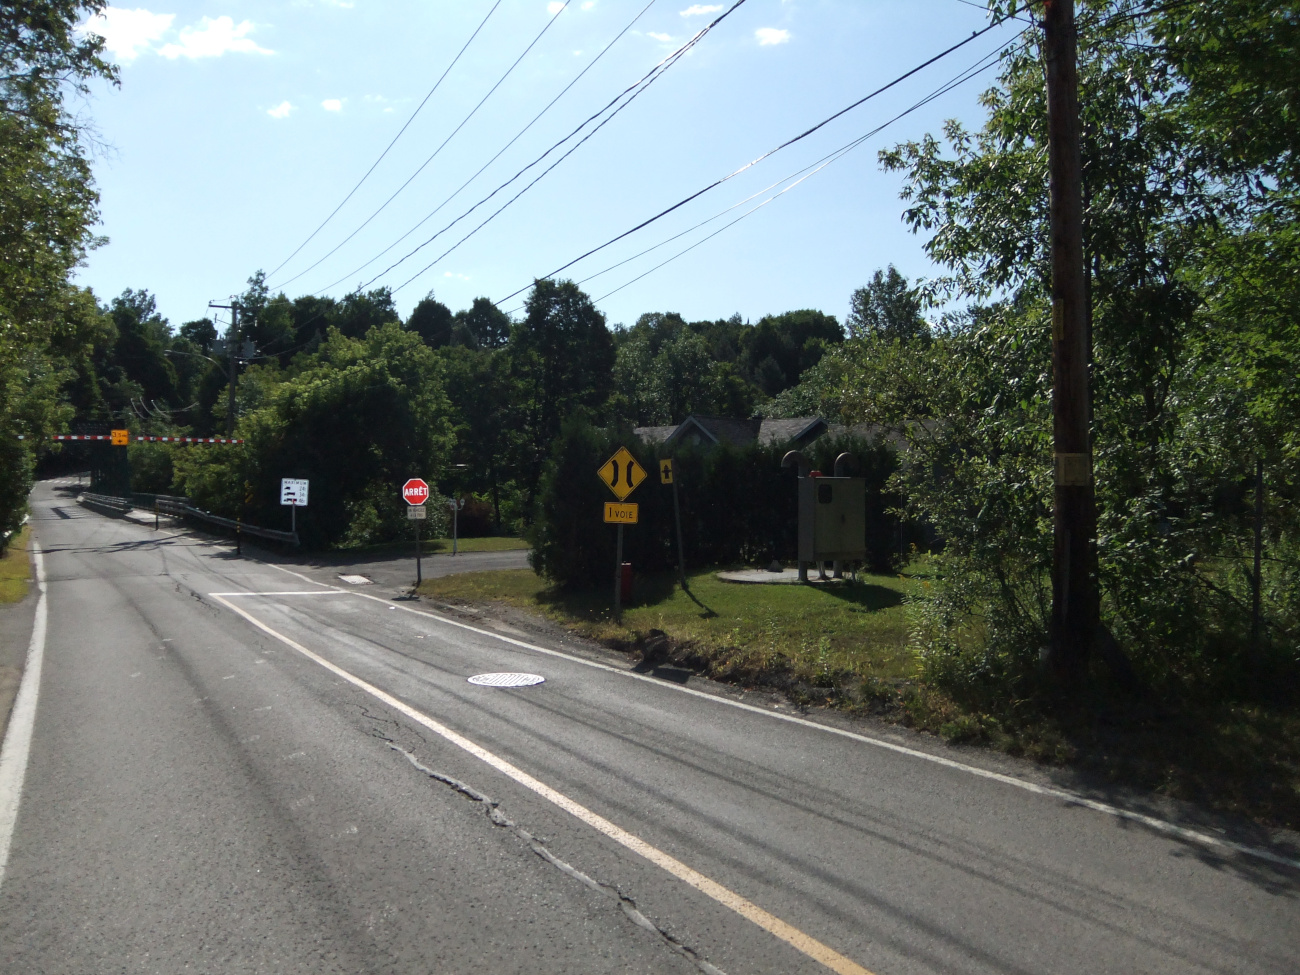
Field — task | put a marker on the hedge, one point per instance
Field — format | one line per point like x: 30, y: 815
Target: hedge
x: 737, y: 505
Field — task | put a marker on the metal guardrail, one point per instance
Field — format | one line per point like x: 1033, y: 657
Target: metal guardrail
x: 181, y: 508
x: 122, y: 505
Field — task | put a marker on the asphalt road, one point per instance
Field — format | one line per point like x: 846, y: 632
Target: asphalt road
x: 234, y: 768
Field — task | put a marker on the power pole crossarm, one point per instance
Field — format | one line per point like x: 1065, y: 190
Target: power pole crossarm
x: 1075, y: 603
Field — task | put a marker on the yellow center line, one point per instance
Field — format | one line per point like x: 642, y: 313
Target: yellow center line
x: 805, y: 943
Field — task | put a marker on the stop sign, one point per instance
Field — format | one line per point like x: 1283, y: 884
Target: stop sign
x: 415, y: 491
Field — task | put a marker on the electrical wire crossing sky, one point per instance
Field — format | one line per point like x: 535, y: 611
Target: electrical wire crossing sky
x: 462, y: 150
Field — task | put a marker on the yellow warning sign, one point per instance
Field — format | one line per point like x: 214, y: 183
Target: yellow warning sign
x: 120, y: 438
x: 620, y: 514
x: 666, y: 471
x: 621, y: 474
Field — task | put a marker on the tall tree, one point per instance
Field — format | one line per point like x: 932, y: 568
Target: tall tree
x: 562, y: 360
x: 486, y: 325
x: 47, y: 209
x: 888, y: 308
x: 432, y: 321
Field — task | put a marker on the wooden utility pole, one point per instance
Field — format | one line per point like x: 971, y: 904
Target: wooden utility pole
x: 232, y: 363
x: 1075, y: 602
x: 232, y: 350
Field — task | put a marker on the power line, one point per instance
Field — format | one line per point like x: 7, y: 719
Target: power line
x: 811, y: 170
x: 816, y: 166
x: 391, y: 144
x: 789, y: 142
x: 498, y: 155
x: 435, y: 152
x: 627, y: 96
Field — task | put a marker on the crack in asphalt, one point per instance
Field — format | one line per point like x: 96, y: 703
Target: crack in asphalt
x: 625, y: 903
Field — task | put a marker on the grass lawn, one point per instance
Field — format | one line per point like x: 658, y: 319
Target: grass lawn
x: 439, y: 546
x: 475, y: 545
x: 15, y: 569
x: 839, y: 636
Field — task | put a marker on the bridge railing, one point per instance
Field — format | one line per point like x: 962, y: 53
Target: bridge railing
x: 181, y: 508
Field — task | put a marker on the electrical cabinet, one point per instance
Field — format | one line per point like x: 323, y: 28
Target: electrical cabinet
x: 832, y: 519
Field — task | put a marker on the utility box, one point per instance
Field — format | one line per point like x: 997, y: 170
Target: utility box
x: 832, y: 519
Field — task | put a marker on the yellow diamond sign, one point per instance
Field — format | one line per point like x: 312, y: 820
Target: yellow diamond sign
x: 622, y: 473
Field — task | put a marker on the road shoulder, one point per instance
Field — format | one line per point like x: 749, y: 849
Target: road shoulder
x: 16, y: 622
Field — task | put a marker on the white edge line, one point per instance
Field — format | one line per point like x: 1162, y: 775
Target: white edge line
x: 18, y: 738
x: 1073, y: 798
x: 728, y: 898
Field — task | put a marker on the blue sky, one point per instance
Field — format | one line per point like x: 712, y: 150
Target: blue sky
x: 239, y: 126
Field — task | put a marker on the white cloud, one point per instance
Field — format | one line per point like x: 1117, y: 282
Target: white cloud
x: 127, y: 33
x: 213, y: 38
x: 589, y: 4
x: 771, y: 35
x: 554, y: 7
x: 698, y: 9
x: 332, y: 104
x: 661, y: 38
x: 458, y: 277
x: 280, y: 111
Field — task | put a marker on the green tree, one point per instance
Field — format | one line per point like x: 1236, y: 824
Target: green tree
x: 777, y: 350
x: 357, y: 420
x: 432, y: 321
x: 480, y: 391
x: 484, y: 324
x: 1169, y: 452
x: 47, y: 208
x: 562, y: 360
x: 139, y: 354
x: 887, y: 308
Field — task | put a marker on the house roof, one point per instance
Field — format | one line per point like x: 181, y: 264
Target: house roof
x: 720, y: 429
x: 799, y: 430
x: 654, y: 434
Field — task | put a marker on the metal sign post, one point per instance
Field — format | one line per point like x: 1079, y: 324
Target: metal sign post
x: 666, y: 477
x: 618, y: 576
x: 455, y: 504
x: 621, y: 474
x: 293, y: 493
x: 415, y: 492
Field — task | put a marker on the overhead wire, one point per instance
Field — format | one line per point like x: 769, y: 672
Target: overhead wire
x: 816, y: 166
x: 390, y: 145
x: 380, y: 209
x: 749, y: 165
x: 628, y: 95
x: 809, y: 171
x: 518, y: 135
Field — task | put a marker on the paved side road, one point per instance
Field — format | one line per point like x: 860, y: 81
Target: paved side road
x: 235, y: 768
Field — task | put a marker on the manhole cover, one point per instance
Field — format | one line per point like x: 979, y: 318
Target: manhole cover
x: 506, y: 680
x: 354, y: 580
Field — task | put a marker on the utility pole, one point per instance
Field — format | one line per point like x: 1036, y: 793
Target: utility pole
x: 232, y: 364
x: 1075, y: 601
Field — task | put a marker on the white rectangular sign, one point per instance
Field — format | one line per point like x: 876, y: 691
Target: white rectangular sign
x: 293, y: 492
x: 417, y: 513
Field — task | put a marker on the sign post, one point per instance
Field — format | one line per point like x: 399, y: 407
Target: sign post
x: 415, y: 492
x: 621, y: 474
x: 666, y: 477
x: 455, y: 504
x: 293, y: 492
